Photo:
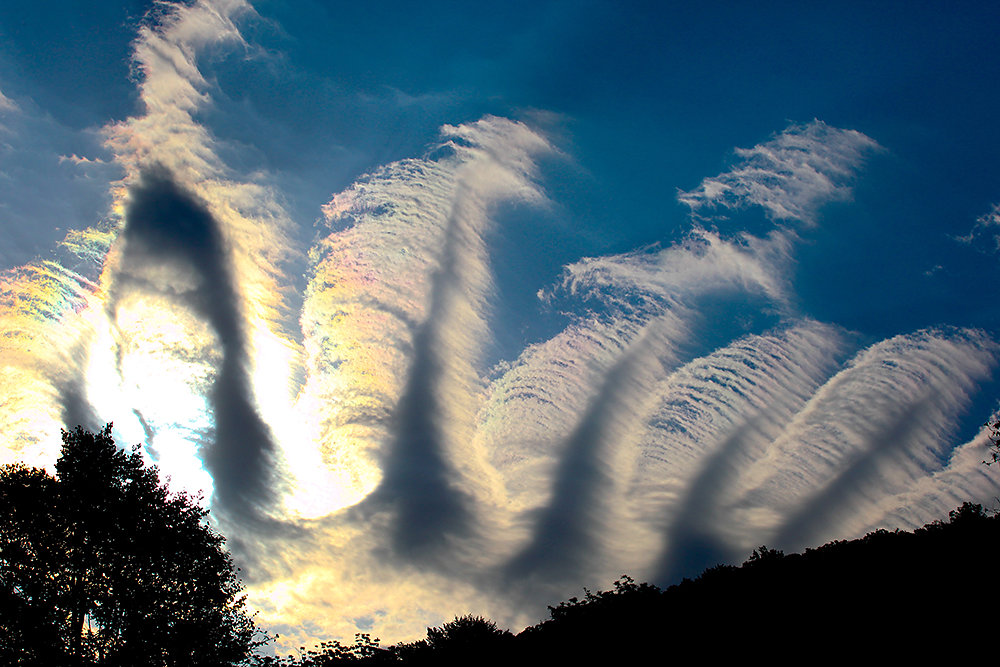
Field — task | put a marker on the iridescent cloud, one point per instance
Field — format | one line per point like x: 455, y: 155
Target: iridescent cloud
x: 371, y: 468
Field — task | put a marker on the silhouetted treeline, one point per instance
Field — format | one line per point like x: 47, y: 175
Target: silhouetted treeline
x: 102, y: 565
x: 930, y: 592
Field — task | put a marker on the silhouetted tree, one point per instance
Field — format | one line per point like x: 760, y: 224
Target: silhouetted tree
x: 102, y: 565
x: 466, y: 631
x: 994, y: 444
x: 764, y: 555
x: 466, y: 640
x: 365, y: 650
x: 32, y: 551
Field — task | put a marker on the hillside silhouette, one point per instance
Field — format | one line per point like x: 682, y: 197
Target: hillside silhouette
x: 102, y: 565
x: 890, y: 595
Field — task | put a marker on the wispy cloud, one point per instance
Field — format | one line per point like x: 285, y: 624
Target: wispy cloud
x: 172, y: 250
x: 790, y: 176
x: 985, y: 234
x: 367, y: 464
x: 882, y: 422
x: 153, y: 315
x: 78, y: 160
x: 714, y: 416
x: 42, y: 193
x: 415, y: 245
x: 962, y: 476
x: 177, y: 185
x: 39, y: 341
x: 7, y: 107
x: 703, y: 263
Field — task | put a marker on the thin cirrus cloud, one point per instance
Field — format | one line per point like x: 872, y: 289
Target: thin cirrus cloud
x: 395, y: 319
x: 46, y: 189
x: 187, y: 218
x: 985, y: 233
x: 7, y: 104
x: 335, y: 403
x: 168, y: 315
x: 790, y: 176
x: 867, y: 434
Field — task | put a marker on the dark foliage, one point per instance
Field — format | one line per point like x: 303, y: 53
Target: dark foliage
x: 365, y: 650
x: 101, y: 565
x: 875, y: 596
x: 994, y: 444
x: 890, y: 595
x: 467, y: 640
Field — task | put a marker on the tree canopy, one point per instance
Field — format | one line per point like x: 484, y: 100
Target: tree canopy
x: 103, y: 565
x: 994, y: 441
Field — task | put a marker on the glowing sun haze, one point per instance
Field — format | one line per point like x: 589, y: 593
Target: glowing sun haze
x: 446, y: 319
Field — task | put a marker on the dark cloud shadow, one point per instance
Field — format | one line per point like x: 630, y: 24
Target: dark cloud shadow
x: 76, y: 409
x: 417, y: 477
x: 418, y: 483
x: 690, y: 543
x: 168, y: 231
x: 816, y: 519
x: 565, y: 538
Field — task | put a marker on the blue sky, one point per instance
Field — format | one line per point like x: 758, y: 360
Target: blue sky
x: 453, y: 289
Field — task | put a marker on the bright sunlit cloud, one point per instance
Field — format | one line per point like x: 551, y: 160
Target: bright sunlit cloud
x: 342, y: 387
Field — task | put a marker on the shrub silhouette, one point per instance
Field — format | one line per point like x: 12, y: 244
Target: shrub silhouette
x: 465, y: 631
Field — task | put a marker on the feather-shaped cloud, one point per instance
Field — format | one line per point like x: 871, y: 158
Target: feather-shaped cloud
x: 790, y: 176
x: 365, y: 459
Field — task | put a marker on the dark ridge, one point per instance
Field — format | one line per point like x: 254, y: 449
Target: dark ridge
x: 888, y: 595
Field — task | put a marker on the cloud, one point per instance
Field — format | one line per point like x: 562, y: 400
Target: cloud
x: 413, y: 238
x: 703, y: 263
x: 869, y: 432
x: 39, y: 343
x: 179, y: 320
x: 985, y: 234
x: 167, y: 135
x: 714, y: 415
x: 77, y: 160
x: 608, y: 446
x: 368, y: 467
x: 962, y: 476
x: 173, y: 249
x: 651, y: 303
x: 239, y: 262
x: 790, y: 176
x: 586, y: 510
x: 7, y: 105
x: 42, y: 194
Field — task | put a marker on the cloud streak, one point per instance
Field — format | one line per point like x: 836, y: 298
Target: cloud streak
x: 420, y: 227
x: 172, y: 250
x: 986, y: 231
x: 790, y: 176
x: 335, y: 402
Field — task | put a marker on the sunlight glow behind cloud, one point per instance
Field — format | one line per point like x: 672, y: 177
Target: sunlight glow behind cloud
x: 333, y: 401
